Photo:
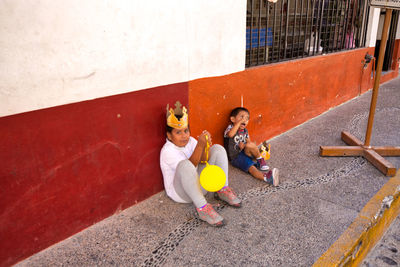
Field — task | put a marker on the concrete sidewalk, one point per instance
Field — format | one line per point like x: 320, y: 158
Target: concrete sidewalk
x: 290, y: 225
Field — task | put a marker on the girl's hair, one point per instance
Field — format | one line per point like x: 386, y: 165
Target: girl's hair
x: 236, y: 111
x: 169, y: 129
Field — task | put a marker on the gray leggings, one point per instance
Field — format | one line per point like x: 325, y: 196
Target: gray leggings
x: 186, y: 180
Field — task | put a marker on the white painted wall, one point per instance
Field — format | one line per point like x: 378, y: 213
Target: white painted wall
x: 55, y: 52
x: 380, y: 28
x: 372, y: 29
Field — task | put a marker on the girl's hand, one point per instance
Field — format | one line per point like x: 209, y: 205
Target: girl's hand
x: 202, y: 138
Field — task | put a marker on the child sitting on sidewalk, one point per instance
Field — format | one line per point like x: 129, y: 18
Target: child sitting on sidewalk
x: 241, y: 151
x: 180, y: 161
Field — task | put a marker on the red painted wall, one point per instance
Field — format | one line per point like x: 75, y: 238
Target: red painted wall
x: 279, y: 96
x: 63, y: 169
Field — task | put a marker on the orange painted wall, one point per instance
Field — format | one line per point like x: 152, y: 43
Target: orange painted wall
x: 394, y: 72
x: 396, y: 55
x: 279, y: 96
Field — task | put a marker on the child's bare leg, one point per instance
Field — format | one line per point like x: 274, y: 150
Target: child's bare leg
x: 251, y: 150
x: 271, y: 177
x: 256, y: 173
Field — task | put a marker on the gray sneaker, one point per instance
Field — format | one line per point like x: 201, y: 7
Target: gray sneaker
x: 272, y: 177
x: 208, y: 214
x: 226, y: 194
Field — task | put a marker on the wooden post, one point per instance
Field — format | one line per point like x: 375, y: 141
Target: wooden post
x: 375, y: 89
x: 374, y: 154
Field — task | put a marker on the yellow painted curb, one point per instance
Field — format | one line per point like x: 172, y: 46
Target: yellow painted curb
x: 367, y: 229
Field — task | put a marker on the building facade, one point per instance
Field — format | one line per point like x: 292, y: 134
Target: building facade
x: 83, y: 91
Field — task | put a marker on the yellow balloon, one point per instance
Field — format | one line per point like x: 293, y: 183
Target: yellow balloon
x: 212, y: 178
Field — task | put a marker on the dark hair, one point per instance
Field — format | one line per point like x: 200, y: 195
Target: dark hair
x: 169, y: 129
x: 236, y: 111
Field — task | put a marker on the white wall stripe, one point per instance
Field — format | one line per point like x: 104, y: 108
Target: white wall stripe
x: 55, y: 52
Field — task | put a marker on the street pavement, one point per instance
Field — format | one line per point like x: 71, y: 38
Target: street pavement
x: 289, y: 225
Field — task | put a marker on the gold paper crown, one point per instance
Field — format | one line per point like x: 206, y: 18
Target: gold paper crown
x: 172, y: 121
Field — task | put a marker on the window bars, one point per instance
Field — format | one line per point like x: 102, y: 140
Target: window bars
x: 290, y: 29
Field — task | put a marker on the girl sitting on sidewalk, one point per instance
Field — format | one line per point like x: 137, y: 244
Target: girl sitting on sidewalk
x: 180, y: 161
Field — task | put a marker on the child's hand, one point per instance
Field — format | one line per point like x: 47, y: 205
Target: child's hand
x: 241, y: 145
x: 241, y: 120
x: 202, y: 138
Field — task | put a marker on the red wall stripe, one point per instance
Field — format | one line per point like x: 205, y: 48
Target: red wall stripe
x: 65, y: 168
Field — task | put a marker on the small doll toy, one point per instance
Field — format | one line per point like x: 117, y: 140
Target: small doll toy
x: 265, y: 150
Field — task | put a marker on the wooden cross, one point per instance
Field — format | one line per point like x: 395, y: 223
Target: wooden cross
x: 373, y: 154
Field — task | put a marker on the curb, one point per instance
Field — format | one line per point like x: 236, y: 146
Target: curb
x: 367, y: 229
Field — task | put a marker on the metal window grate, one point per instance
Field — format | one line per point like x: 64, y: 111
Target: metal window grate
x: 290, y: 29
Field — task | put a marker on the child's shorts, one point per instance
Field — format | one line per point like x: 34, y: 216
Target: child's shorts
x: 243, y: 162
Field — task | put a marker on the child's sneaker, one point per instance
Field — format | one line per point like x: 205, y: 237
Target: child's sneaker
x: 262, y: 165
x: 208, y: 214
x: 226, y: 194
x: 272, y: 177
